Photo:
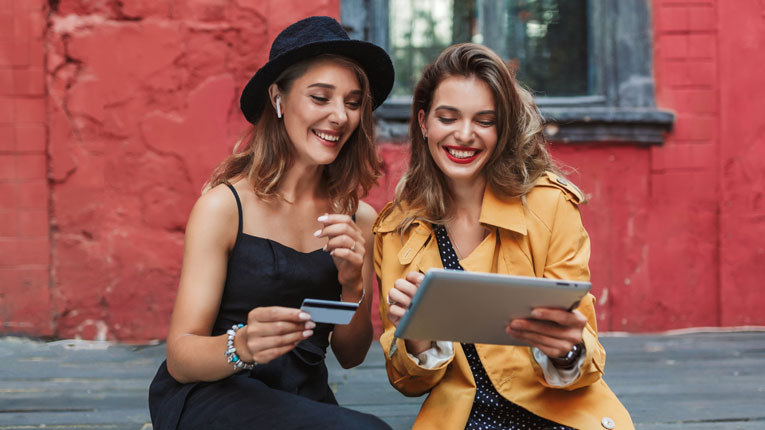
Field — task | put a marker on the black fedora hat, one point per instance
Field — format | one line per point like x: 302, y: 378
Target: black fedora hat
x: 308, y: 38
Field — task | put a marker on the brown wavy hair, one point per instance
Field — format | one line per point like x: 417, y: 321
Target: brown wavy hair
x: 520, y: 156
x: 268, y: 152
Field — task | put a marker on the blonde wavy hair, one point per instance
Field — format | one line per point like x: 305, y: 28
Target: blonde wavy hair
x: 520, y: 156
x: 267, y: 151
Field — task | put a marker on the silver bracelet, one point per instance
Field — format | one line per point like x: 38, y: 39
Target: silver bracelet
x: 363, y: 293
x: 230, y: 353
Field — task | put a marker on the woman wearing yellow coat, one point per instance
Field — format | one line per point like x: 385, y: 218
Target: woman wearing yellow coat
x: 482, y: 194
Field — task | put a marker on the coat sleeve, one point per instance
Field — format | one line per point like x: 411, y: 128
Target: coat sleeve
x: 404, y: 373
x: 568, y: 258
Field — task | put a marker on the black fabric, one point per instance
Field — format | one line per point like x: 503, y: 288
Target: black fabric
x: 490, y: 410
x: 290, y: 392
x: 247, y: 403
x: 310, y: 37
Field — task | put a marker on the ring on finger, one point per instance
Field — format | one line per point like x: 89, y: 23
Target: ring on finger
x: 391, y: 302
x: 354, y: 246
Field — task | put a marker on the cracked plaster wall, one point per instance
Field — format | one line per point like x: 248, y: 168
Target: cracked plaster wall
x: 143, y: 104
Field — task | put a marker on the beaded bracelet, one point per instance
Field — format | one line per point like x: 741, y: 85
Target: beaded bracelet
x: 231, y: 350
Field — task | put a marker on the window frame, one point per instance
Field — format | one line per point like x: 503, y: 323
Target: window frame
x: 623, y: 108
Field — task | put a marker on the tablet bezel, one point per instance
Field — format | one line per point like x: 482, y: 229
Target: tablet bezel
x: 471, y: 307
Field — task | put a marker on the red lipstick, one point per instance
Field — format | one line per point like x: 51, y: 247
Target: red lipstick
x: 461, y: 160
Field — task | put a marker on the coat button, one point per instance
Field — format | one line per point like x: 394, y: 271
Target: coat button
x: 562, y: 181
x: 608, y: 423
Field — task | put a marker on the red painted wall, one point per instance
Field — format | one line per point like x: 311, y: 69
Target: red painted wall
x: 677, y: 229
x: 112, y: 117
x: 741, y: 162
x: 141, y: 105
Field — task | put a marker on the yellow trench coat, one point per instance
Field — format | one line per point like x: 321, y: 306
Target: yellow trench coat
x: 541, y: 237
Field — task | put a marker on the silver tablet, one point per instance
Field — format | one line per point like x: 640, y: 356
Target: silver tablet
x: 459, y: 306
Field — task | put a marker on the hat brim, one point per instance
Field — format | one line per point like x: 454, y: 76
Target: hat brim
x: 372, y: 59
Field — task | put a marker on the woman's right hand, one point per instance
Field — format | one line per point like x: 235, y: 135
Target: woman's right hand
x: 272, y: 332
x: 399, y: 298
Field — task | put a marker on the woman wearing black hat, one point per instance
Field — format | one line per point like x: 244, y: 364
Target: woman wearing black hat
x: 280, y: 221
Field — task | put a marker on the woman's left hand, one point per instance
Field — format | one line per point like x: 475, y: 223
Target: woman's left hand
x: 346, y: 245
x: 552, y: 331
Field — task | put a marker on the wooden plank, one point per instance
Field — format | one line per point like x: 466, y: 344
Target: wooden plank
x: 11, y: 386
x: 714, y: 425
x: 74, y: 400
x: 691, y: 381
x: 136, y: 418
x: 128, y: 426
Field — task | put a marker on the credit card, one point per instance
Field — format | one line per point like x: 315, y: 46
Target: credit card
x: 329, y: 311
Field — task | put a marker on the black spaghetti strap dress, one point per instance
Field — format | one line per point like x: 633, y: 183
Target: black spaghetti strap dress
x: 290, y: 392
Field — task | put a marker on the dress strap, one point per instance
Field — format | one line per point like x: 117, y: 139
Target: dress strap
x: 446, y: 248
x: 238, y: 206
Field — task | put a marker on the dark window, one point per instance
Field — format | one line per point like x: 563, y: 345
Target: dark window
x: 588, y: 62
x: 544, y: 41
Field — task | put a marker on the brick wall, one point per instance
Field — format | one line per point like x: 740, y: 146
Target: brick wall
x: 684, y: 176
x: 24, y: 217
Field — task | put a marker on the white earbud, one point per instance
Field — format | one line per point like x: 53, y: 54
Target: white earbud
x: 278, y: 107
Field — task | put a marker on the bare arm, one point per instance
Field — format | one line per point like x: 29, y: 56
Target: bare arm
x: 192, y: 353
x: 351, y: 342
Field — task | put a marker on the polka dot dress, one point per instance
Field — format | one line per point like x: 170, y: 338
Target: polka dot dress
x: 490, y: 410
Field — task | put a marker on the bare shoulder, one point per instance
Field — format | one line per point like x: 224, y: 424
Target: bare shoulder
x: 218, y: 200
x: 215, y: 212
x: 365, y: 217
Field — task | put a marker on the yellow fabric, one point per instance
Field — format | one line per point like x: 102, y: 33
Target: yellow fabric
x: 541, y: 235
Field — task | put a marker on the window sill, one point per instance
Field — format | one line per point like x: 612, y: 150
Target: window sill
x: 642, y: 126
x: 645, y: 126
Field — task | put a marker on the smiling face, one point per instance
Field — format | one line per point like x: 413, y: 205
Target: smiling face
x: 461, y: 127
x: 320, y: 111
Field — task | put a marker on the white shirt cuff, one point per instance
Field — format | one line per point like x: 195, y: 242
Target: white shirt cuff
x: 439, y: 353
x: 554, y: 376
